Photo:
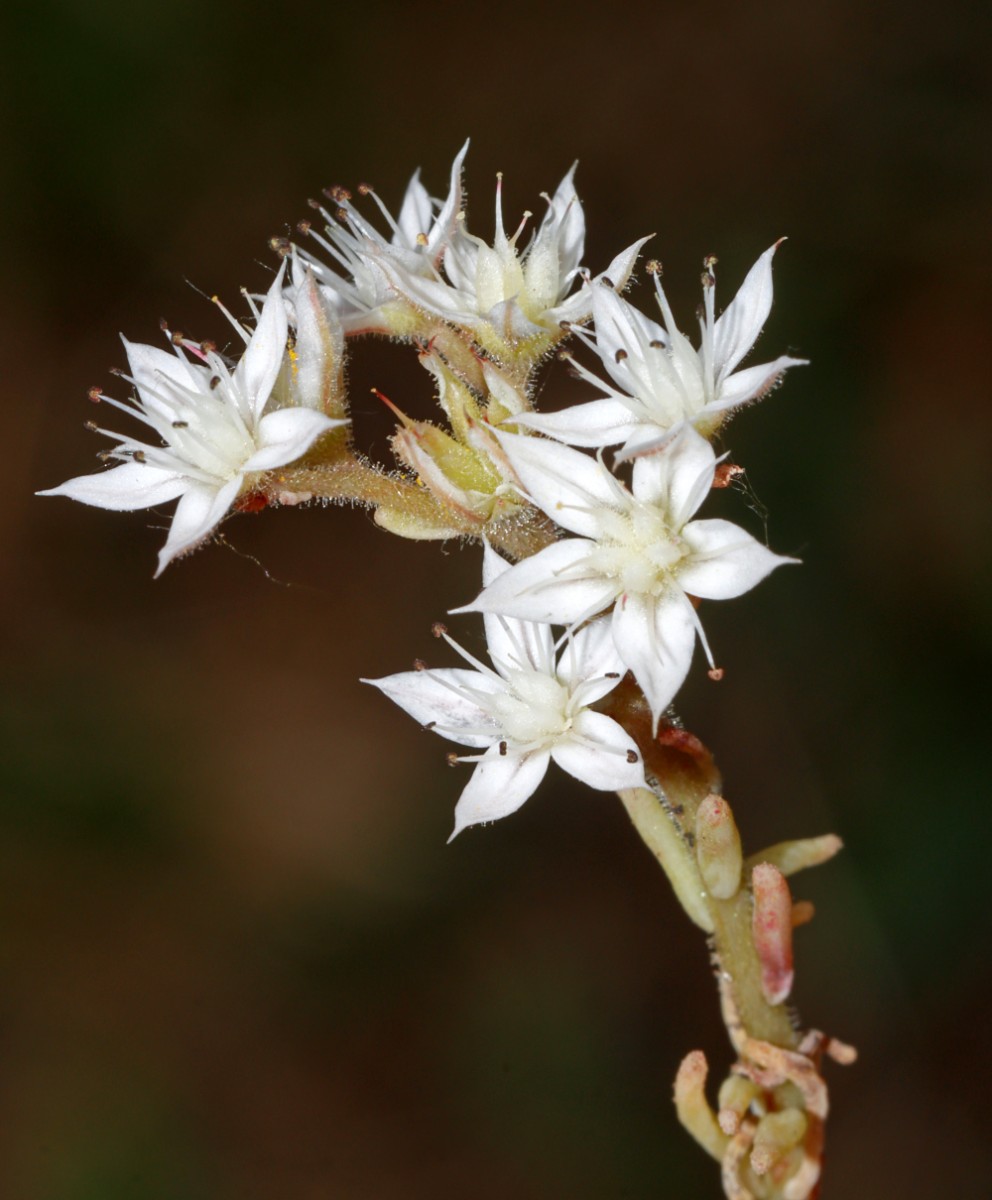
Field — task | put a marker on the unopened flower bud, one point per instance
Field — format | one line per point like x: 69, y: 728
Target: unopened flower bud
x: 777, y: 1133
x: 772, y: 931
x: 718, y: 848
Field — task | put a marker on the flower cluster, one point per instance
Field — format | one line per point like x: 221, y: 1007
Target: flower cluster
x: 615, y: 560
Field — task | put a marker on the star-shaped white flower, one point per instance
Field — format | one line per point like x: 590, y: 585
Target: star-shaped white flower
x: 524, y: 713
x: 507, y: 295
x: 661, y: 381
x: 637, y: 551
x: 215, y: 428
x: 413, y: 248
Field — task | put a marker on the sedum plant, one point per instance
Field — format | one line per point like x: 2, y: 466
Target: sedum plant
x: 595, y: 556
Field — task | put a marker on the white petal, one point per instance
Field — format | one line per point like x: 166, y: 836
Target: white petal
x: 566, y: 216
x: 655, y: 638
x: 124, y: 488
x: 618, y: 272
x: 415, y: 215
x: 550, y: 586
x: 199, y: 511
x: 261, y: 362
x: 604, y: 764
x: 153, y: 369
x: 678, y: 477
x: 591, y: 654
x: 726, y: 561
x: 570, y: 487
x: 447, y: 219
x: 444, y: 697
x: 737, y: 330
x: 514, y: 644
x: 499, y: 785
x: 286, y: 434
x: 596, y: 424
x: 752, y: 383
x: 319, y: 345
x: 622, y: 329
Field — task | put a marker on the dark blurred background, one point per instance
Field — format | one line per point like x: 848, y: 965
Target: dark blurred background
x: 238, y: 960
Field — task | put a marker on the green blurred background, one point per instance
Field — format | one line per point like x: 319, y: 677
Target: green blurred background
x: 238, y: 960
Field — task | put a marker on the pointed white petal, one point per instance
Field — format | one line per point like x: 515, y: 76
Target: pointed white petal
x: 499, y: 786
x: 319, y: 346
x: 124, y: 488
x: 737, y: 330
x: 595, y: 424
x: 444, y: 697
x: 591, y: 654
x: 655, y: 637
x: 514, y: 644
x: 153, y: 370
x: 199, y: 511
x: 619, y: 270
x: 550, y: 586
x: 415, y: 216
x: 286, y: 434
x: 596, y: 752
x: 752, y: 383
x: 726, y: 561
x: 261, y: 362
x: 570, y: 487
x: 446, y: 221
x: 678, y: 476
x: 569, y: 220
x: 623, y: 333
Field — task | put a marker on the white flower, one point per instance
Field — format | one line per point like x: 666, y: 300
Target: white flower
x: 636, y: 550
x: 213, y: 426
x: 662, y: 382
x: 414, y: 246
x: 523, y: 714
x: 506, y: 295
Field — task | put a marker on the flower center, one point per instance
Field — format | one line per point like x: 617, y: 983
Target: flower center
x: 638, y: 549
x: 534, y: 708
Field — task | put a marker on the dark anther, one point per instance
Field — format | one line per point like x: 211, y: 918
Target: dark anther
x: 139, y: 456
x: 94, y: 394
x: 632, y: 756
x: 341, y: 214
x: 116, y: 371
x: 280, y: 245
x: 419, y: 664
x: 620, y: 355
x: 303, y: 227
x: 314, y: 204
x: 180, y: 424
x: 607, y: 282
x: 214, y: 381
x: 710, y: 261
x: 91, y: 426
x: 656, y: 344
x: 430, y: 725
x: 451, y: 758
x: 438, y: 629
x: 365, y: 188
x: 105, y: 455
x: 208, y: 347
x: 502, y: 749
x: 565, y: 326
x: 653, y: 266
x: 177, y: 338
x: 612, y: 674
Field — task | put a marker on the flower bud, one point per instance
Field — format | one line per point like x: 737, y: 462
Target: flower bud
x: 777, y: 1133
x: 718, y: 848
x: 771, y: 927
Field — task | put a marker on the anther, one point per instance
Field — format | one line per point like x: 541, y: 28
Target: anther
x: 281, y: 245
x: 565, y: 356
x: 163, y: 324
x: 314, y: 204
x: 715, y: 673
x: 700, y: 311
x: 419, y: 664
x: 429, y: 726
x: 208, y: 347
x: 338, y: 193
x: 451, y: 758
x: 365, y: 188
x: 341, y: 214
x: 422, y: 239
x: 105, y: 455
x: 632, y: 756
x: 180, y: 424
x: 565, y: 326
x: 607, y: 282
x: 94, y: 394
x: 710, y: 261
x: 303, y: 227
x: 653, y: 267
x: 726, y: 473
x: 707, y: 280
x: 177, y: 338
x: 214, y: 381
x: 612, y: 674
x: 656, y: 344
x: 438, y: 629
x: 116, y: 371
x: 620, y: 355
x: 139, y: 456
x: 502, y: 749
x: 91, y: 426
